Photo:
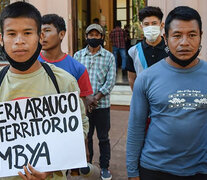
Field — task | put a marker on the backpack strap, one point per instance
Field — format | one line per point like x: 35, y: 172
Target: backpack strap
x: 52, y: 76
x: 3, y: 73
x: 45, y: 66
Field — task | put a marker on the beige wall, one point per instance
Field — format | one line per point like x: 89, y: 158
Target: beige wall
x: 107, y: 19
x: 199, y: 5
x: 103, y: 9
x: 61, y: 8
x: 95, y: 9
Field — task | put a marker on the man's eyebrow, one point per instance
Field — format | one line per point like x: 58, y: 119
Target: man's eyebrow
x: 46, y: 28
x: 174, y: 32
x: 192, y: 31
x: 28, y: 29
x: 7, y: 30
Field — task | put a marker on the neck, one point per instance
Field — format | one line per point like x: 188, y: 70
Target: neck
x: 158, y: 40
x: 172, y: 63
x: 94, y: 50
x: 53, y: 54
x: 37, y: 65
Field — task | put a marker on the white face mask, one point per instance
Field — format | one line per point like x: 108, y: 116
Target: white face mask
x: 151, y: 33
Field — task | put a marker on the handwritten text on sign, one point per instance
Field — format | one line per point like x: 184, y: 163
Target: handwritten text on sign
x: 45, y: 132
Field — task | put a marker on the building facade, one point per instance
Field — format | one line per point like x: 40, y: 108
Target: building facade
x: 78, y: 14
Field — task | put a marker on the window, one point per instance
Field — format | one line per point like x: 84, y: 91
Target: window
x: 127, y: 13
x: 121, y: 12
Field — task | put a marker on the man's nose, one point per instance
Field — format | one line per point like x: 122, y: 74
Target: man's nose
x: 184, y: 41
x: 43, y: 34
x: 19, y: 39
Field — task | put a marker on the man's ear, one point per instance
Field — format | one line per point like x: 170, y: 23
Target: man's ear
x: 41, y: 37
x: 162, y: 25
x: 141, y: 26
x: 165, y: 38
x: 102, y: 36
x: 61, y: 35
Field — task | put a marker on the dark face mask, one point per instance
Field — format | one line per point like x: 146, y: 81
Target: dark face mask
x: 23, y: 66
x: 94, y: 42
x: 182, y: 63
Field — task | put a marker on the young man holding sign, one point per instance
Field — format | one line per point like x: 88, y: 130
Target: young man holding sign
x: 26, y: 77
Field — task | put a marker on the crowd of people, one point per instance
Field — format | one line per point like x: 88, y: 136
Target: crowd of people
x: 167, y: 126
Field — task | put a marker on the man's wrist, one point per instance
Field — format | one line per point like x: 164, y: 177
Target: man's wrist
x: 98, y: 96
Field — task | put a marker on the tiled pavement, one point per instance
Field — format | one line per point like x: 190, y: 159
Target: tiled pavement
x: 118, y: 134
x: 120, y: 100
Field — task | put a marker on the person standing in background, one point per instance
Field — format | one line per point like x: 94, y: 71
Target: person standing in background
x: 118, y: 38
x: 101, y: 67
x: 53, y: 32
x: 151, y: 49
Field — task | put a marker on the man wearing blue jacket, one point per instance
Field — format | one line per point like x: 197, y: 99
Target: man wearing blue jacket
x: 173, y: 92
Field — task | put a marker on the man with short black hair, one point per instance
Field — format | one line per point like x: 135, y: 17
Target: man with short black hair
x: 173, y: 94
x: 53, y: 32
x: 151, y: 49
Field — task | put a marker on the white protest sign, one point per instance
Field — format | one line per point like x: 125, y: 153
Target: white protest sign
x: 46, y: 132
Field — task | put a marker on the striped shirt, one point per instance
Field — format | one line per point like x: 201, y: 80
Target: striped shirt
x: 102, y: 72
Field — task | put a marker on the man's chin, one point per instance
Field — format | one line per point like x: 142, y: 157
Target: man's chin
x: 184, y: 58
x: 44, y: 46
x: 45, y: 49
x: 20, y: 59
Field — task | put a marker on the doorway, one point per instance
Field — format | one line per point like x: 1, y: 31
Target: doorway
x: 126, y: 11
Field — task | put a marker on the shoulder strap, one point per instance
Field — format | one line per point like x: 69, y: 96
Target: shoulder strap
x: 52, y: 76
x: 3, y: 73
x: 141, y: 55
x: 45, y: 66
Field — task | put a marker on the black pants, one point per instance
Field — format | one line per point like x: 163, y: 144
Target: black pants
x: 146, y: 174
x: 100, y: 119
